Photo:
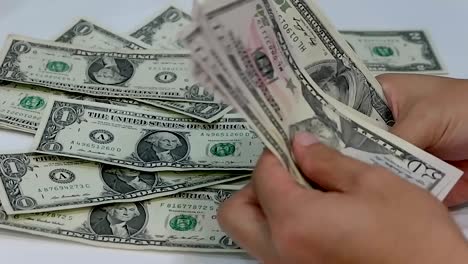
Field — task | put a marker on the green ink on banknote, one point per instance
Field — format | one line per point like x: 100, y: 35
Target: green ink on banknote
x: 383, y: 51
x: 183, y: 222
x: 58, y: 66
x: 223, y: 149
x: 32, y: 102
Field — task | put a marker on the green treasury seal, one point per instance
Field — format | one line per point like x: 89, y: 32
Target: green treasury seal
x: 223, y: 149
x: 32, y: 102
x: 183, y: 222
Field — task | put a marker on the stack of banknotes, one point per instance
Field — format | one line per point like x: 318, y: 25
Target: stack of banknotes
x: 139, y: 137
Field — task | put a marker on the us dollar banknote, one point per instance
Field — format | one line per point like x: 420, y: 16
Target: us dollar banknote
x: 22, y: 106
x: 353, y: 137
x: 31, y: 183
x: 133, y: 74
x: 326, y: 57
x: 401, y: 51
x: 160, y: 30
x: 146, y: 141
x: 246, y: 101
x: 184, y: 222
x: 22, y: 109
x: 87, y: 33
x: 206, y: 112
x: 292, y: 102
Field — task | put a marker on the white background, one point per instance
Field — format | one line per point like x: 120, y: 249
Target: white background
x: 445, y: 19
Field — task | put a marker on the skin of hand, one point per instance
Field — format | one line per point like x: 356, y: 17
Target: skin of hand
x: 367, y: 214
x: 431, y: 112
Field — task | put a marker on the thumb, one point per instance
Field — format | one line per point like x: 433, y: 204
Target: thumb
x: 324, y: 166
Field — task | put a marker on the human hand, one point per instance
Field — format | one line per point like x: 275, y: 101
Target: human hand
x: 368, y: 215
x: 432, y: 113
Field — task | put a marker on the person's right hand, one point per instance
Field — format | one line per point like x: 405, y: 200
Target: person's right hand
x: 363, y: 214
x: 431, y: 112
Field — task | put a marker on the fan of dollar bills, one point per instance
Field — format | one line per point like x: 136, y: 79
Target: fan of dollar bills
x: 140, y: 137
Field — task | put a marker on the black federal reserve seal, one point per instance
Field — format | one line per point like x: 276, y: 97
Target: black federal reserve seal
x: 62, y: 176
x: 101, y: 136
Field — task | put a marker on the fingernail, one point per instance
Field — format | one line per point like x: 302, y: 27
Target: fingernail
x: 305, y: 139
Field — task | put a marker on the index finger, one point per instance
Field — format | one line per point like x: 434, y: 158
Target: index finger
x: 274, y: 186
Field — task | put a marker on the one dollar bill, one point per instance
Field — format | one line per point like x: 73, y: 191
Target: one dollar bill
x: 322, y: 52
x: 87, y: 33
x: 160, y: 30
x: 22, y: 106
x: 21, y: 110
x: 134, y: 74
x: 145, y: 141
x: 185, y: 222
x: 401, y: 51
x: 206, y: 112
x: 31, y: 183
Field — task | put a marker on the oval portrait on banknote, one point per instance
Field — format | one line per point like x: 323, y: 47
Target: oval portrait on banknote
x: 163, y: 146
x: 346, y: 84
x: 122, y: 220
x: 123, y: 180
x: 110, y: 71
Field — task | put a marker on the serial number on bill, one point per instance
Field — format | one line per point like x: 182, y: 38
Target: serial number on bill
x: 64, y: 187
x: 188, y: 206
x: 95, y: 146
x: 225, y: 134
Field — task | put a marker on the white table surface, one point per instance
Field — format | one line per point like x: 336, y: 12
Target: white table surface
x: 446, y: 20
